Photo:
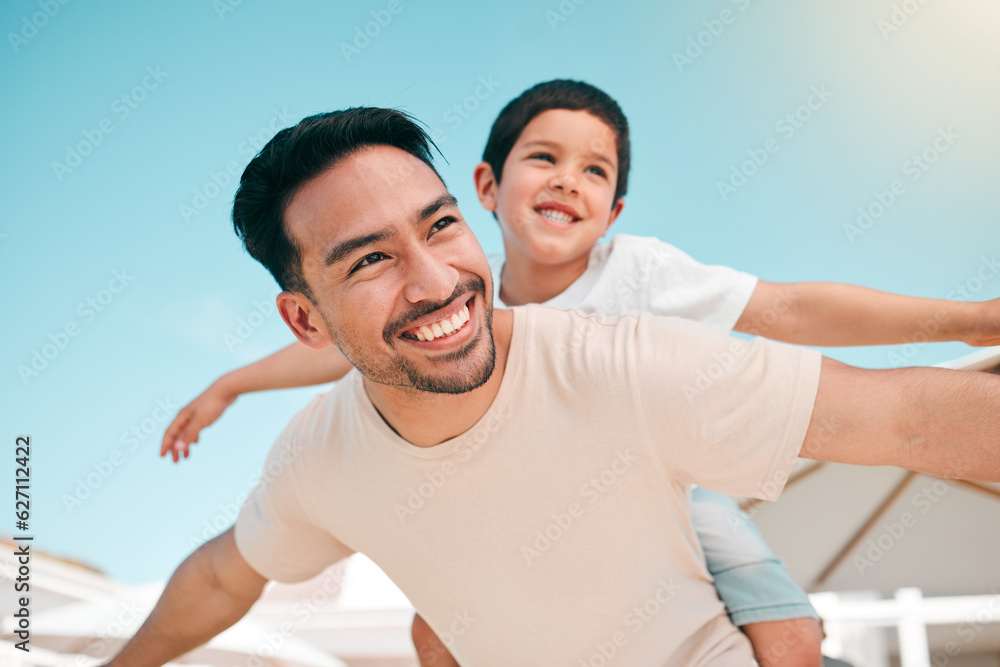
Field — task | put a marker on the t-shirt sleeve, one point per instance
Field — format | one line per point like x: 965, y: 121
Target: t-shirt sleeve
x: 655, y: 277
x: 724, y: 413
x: 275, y: 533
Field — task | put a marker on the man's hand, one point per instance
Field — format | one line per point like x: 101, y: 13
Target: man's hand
x: 987, y: 328
x: 193, y: 417
x: 210, y: 591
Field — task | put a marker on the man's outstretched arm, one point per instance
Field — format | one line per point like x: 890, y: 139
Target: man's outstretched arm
x: 209, y: 592
x: 931, y: 420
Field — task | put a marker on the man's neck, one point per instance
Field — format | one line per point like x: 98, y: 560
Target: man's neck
x: 426, y: 419
x: 524, y: 281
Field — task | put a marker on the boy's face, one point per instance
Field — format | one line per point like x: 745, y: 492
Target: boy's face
x: 556, y: 196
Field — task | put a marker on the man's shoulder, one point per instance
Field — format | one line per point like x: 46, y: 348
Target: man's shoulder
x: 313, y: 425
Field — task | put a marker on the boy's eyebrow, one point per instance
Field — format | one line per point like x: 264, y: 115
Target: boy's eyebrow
x: 593, y: 155
x: 340, y: 251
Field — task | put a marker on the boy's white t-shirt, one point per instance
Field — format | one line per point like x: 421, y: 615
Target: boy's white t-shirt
x: 644, y: 274
x: 556, y: 530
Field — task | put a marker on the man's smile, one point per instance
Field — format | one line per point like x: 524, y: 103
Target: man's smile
x: 442, y: 328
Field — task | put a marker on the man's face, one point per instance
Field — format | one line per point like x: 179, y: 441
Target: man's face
x: 556, y: 195
x: 398, y: 278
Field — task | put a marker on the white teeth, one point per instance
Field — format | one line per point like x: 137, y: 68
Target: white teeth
x: 557, y: 216
x: 445, y: 327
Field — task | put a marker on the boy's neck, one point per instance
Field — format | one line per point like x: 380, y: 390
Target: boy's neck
x: 523, y: 281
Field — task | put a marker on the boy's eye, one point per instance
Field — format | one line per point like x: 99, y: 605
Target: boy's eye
x: 369, y: 259
x: 597, y: 170
x: 542, y: 156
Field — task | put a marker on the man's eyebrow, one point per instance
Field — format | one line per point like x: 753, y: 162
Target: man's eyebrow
x: 435, y: 206
x: 342, y: 250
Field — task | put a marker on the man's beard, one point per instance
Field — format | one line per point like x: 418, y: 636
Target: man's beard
x: 404, y: 374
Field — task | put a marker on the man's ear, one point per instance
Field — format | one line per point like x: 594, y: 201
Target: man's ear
x: 486, y: 186
x: 303, y: 319
x: 616, y: 210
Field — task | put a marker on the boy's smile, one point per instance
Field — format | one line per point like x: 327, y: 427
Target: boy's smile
x: 555, y: 198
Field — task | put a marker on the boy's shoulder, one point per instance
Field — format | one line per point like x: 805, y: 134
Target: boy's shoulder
x: 626, y: 248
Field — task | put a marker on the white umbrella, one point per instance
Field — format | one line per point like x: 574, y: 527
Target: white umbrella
x: 101, y: 628
x: 841, y: 527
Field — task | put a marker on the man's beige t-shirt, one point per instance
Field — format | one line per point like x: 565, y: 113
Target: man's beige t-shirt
x: 556, y: 530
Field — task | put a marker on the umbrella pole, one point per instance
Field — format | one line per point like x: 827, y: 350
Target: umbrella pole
x: 862, y: 532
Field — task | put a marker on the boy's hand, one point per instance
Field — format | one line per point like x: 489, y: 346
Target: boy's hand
x: 987, y: 327
x: 196, y: 415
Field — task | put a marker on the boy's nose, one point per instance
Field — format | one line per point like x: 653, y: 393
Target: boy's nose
x: 563, y: 181
x: 430, y: 279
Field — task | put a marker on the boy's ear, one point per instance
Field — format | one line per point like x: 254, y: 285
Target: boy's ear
x: 616, y: 210
x: 486, y: 186
x: 303, y: 319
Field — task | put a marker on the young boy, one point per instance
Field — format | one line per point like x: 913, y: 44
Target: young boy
x: 554, y: 174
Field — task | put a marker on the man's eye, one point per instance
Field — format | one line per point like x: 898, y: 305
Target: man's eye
x: 542, y: 156
x: 442, y: 223
x: 597, y: 170
x: 368, y: 260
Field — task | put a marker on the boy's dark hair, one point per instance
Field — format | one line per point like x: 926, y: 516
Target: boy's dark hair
x: 298, y: 154
x: 557, y: 94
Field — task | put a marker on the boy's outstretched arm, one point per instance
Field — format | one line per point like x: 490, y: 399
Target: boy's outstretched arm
x: 294, y: 366
x: 931, y: 420
x: 210, y: 591
x: 834, y: 314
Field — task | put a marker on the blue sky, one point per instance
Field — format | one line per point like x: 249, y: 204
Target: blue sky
x: 124, y: 125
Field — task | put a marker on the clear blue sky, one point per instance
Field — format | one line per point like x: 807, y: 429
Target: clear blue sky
x: 117, y: 116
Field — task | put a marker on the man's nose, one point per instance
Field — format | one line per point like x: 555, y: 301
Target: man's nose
x: 431, y: 278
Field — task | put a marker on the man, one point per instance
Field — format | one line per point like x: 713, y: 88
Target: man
x: 523, y: 477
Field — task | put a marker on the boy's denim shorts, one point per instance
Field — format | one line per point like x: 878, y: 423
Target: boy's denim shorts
x: 751, y: 581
